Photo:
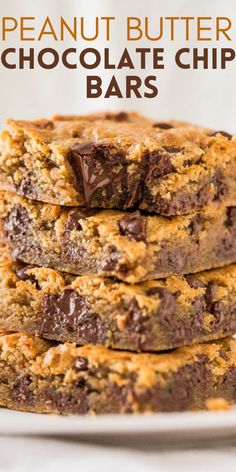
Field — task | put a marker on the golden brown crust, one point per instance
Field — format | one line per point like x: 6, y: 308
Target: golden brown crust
x: 38, y: 376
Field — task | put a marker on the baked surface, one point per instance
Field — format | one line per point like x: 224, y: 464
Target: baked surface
x: 39, y: 376
x: 152, y: 316
x: 129, y: 246
x: 119, y: 160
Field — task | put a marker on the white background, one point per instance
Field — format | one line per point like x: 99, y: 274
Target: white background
x: 204, y: 97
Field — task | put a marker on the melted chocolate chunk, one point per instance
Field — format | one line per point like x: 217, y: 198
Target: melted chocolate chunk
x: 220, y: 185
x: 26, y: 188
x: 22, y: 391
x: 17, y: 225
x: 74, y: 401
x: 69, y: 312
x: 98, y: 168
x: 167, y: 308
x: 158, y: 165
x: 229, y: 381
x: 227, y: 245
x: 17, y: 222
x: 179, y: 392
x: 137, y: 324
x: 210, y: 293
x: 162, y: 125
x: 224, y: 133
x: 171, y: 259
x: 135, y: 195
x: 231, y: 217
x: 133, y: 226
x: 196, y: 226
x: 135, y: 317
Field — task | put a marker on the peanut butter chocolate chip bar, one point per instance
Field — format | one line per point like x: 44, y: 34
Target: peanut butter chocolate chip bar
x: 39, y: 376
x: 122, y: 161
x: 152, y: 316
x: 129, y: 246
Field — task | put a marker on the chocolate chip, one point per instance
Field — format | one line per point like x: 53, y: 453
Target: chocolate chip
x: 194, y: 282
x: 224, y: 133
x: 78, y: 214
x: 196, y: 226
x: 137, y: 326
x: 21, y: 390
x: 44, y: 124
x: 81, y: 363
x: 167, y: 308
x: 112, y: 263
x: 172, y: 149
x: 231, y: 217
x: 135, y: 317
x: 220, y: 185
x: 216, y: 308
x: 17, y: 226
x: 27, y: 188
x: 162, y: 125
x: 73, y: 399
x: 69, y: 312
x: 121, y: 116
x: 223, y: 355
x: 171, y: 259
x: 210, y: 292
x: 133, y: 225
x: 22, y: 274
x: 98, y: 168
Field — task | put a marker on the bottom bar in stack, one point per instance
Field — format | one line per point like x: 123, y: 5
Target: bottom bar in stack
x: 41, y: 376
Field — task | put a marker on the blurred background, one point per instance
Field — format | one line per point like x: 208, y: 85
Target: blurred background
x: 206, y: 97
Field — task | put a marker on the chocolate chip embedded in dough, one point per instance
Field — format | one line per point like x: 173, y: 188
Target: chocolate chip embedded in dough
x: 133, y: 225
x: 224, y: 133
x: 162, y: 125
x: 78, y: 214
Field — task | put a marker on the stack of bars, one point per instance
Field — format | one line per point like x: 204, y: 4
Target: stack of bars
x: 117, y: 282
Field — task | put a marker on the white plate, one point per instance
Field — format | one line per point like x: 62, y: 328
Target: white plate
x: 173, y: 426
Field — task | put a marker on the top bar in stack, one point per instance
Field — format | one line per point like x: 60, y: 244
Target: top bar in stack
x: 121, y: 161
